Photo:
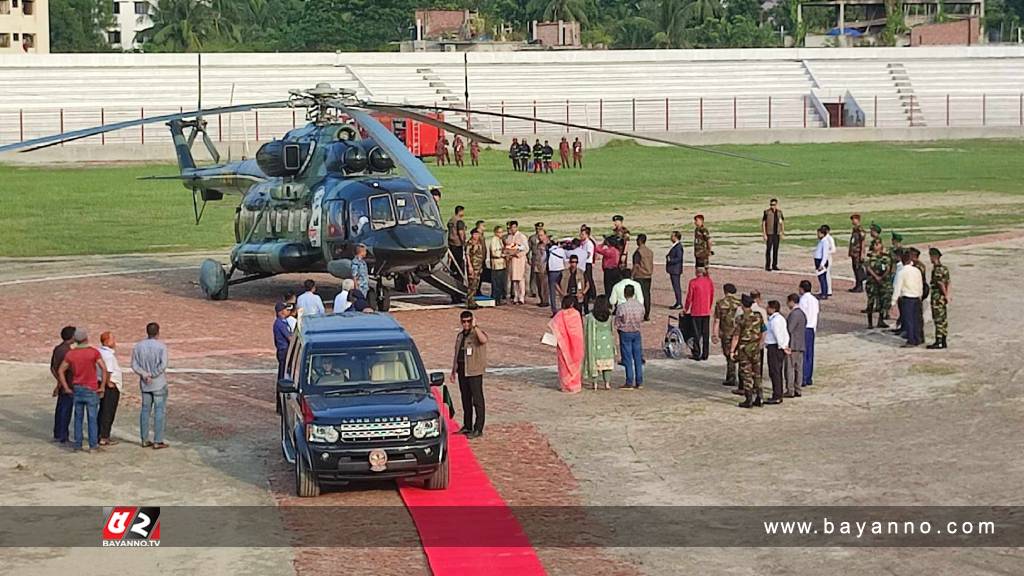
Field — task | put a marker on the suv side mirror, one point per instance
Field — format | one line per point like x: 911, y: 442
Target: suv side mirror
x: 286, y: 386
x: 437, y: 378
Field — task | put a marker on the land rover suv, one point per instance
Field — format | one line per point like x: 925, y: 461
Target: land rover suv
x: 356, y: 404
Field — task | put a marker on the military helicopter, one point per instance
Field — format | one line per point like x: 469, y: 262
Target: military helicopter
x: 310, y: 198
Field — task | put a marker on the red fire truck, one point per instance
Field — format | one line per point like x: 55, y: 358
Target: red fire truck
x: 419, y: 138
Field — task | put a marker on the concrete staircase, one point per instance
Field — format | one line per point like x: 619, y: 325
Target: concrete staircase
x: 440, y: 87
x: 905, y: 92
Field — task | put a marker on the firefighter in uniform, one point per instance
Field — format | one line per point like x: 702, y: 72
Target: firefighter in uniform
x: 538, y: 157
x: 549, y: 153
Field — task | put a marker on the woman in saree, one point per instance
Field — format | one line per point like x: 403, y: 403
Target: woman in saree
x: 567, y: 326
x: 599, y: 344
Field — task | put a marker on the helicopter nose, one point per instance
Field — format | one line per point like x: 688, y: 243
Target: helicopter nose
x: 408, y: 246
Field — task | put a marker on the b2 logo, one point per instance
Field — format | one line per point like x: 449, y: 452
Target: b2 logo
x: 132, y: 526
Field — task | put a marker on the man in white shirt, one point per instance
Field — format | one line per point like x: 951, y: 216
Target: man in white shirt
x: 618, y: 295
x: 776, y: 340
x: 309, y: 302
x: 823, y: 262
x: 809, y: 305
x: 341, y: 302
x: 557, y: 257
x: 111, y: 396
x: 910, y: 287
x: 587, y: 244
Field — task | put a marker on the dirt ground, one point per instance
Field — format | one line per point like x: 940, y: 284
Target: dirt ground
x: 882, y: 425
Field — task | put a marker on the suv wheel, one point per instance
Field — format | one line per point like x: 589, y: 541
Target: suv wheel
x: 306, y: 485
x: 439, y: 479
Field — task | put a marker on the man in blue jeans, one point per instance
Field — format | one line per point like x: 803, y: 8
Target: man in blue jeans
x: 149, y: 361
x: 65, y: 402
x: 84, y: 363
x: 629, y: 317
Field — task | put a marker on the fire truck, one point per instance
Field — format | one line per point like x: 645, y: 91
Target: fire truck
x: 419, y: 138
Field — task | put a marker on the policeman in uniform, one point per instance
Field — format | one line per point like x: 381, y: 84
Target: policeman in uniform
x: 747, y: 341
x: 940, y: 298
x: 856, y: 252
x: 724, y: 323
x: 879, y: 269
x: 476, y: 252
x: 701, y: 243
x: 548, y: 153
x: 538, y: 157
x: 513, y: 154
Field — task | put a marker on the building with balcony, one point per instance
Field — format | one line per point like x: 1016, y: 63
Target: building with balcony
x: 130, y: 17
x: 24, y: 27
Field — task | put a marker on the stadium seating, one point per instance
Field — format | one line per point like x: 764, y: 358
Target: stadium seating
x: 644, y: 91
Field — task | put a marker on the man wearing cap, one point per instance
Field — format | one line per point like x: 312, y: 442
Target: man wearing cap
x: 726, y: 313
x: 538, y: 242
x: 875, y: 234
x: 282, y: 335
x: 701, y: 243
x: 773, y: 226
x: 940, y: 298
x: 457, y: 241
x: 88, y: 381
x: 856, y: 252
x: 149, y: 361
x: 907, y: 294
x: 620, y: 230
x: 476, y: 254
x: 747, y: 341
x: 878, y: 269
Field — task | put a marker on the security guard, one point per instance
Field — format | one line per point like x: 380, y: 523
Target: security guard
x: 879, y: 268
x: 747, y: 341
x: 940, y: 298
x: 701, y: 243
x: 856, y: 252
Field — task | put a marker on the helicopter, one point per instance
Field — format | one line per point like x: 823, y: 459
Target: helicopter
x: 309, y: 199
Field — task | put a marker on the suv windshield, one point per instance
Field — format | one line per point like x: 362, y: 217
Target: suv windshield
x: 361, y: 368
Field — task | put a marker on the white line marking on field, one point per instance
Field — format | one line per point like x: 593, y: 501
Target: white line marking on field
x: 93, y: 275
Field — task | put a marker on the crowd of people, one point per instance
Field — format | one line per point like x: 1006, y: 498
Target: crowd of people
x: 540, y: 157
x: 89, y: 384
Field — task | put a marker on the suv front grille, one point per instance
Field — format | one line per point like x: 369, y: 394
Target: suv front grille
x: 373, y: 429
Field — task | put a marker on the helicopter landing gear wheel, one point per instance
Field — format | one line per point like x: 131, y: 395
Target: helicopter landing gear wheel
x: 383, y: 299
x: 213, y: 280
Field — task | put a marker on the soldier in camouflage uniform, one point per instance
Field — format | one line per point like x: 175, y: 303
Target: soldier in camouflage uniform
x: 940, y: 298
x: 878, y: 270
x: 701, y: 243
x: 856, y: 252
x: 875, y: 234
x: 721, y: 329
x: 747, y: 341
x: 476, y: 252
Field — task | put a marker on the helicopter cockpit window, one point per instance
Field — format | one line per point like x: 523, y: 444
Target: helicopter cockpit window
x: 359, y: 216
x: 382, y: 214
x: 405, y: 205
x: 429, y: 210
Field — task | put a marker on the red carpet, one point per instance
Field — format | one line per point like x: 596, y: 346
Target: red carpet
x: 468, y: 529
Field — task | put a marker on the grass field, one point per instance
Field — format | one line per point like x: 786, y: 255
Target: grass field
x: 932, y: 190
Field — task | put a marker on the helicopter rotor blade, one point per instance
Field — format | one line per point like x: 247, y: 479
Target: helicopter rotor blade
x: 399, y: 111
x: 418, y: 173
x: 54, y: 139
x: 584, y: 127
x: 211, y: 148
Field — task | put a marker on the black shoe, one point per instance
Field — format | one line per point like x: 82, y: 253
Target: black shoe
x: 856, y: 289
x: 739, y: 392
x: 767, y: 269
x: 811, y: 383
x: 864, y: 311
x: 728, y: 383
x: 772, y: 401
x: 464, y: 430
x: 882, y: 324
x: 775, y: 269
x: 757, y: 401
x: 934, y: 346
x: 474, y: 434
x: 797, y: 394
x: 675, y: 307
x: 747, y: 403
x: 542, y: 305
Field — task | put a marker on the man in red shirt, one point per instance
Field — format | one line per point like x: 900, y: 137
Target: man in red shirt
x: 88, y: 379
x: 700, y: 296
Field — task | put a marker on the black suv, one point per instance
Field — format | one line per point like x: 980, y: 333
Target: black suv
x: 356, y: 404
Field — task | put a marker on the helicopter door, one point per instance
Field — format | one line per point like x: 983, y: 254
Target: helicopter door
x: 315, y: 219
x: 335, y: 226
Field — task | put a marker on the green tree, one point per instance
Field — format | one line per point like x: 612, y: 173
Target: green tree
x: 568, y: 10
x: 179, y: 26
x: 79, y: 25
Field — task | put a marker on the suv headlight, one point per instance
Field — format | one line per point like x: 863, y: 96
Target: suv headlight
x: 427, y: 428
x: 317, y: 433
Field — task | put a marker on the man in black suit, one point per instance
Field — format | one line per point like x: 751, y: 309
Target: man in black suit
x: 674, y: 267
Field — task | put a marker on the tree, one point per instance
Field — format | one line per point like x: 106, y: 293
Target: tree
x: 80, y: 25
x: 179, y: 26
x: 552, y: 10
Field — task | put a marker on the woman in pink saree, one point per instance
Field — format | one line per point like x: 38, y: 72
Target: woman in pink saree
x: 567, y: 326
